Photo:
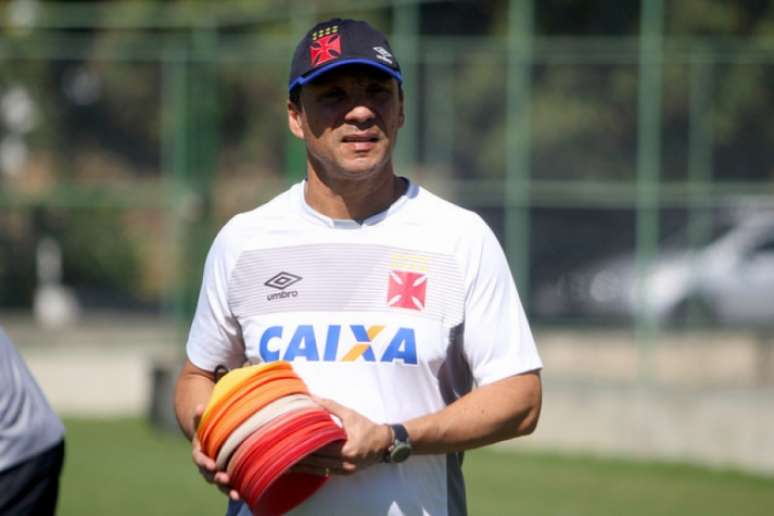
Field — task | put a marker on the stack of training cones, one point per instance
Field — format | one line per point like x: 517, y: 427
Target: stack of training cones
x: 261, y: 421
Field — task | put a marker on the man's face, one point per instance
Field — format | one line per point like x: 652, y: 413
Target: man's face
x: 349, y: 119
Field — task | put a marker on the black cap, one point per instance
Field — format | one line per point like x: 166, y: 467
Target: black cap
x: 338, y: 42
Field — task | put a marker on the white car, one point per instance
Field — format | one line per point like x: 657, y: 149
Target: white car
x: 729, y: 281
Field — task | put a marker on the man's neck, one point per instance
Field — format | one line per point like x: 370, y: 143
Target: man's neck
x: 353, y: 200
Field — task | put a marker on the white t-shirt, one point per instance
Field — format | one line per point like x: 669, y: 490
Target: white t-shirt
x: 28, y: 426
x: 394, y: 317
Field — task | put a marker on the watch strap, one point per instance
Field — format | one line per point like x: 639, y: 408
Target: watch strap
x: 400, y: 447
x: 400, y: 433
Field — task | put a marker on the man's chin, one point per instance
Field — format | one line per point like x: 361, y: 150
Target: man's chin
x: 361, y: 169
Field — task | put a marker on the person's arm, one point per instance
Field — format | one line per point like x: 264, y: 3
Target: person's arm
x: 495, y: 412
x: 192, y: 393
x: 501, y: 410
x: 194, y: 388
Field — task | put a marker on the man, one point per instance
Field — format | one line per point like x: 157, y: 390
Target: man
x: 31, y: 441
x: 396, y: 308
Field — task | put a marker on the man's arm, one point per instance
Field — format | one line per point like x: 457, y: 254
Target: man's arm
x: 501, y: 410
x: 192, y: 393
x: 194, y: 388
x: 495, y: 412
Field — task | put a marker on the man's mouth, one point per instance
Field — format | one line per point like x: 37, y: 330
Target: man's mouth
x: 360, y: 138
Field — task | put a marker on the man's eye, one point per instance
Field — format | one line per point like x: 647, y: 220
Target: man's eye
x: 332, y: 96
x: 378, y: 88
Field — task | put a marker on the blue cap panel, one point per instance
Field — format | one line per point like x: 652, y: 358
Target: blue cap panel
x: 316, y: 73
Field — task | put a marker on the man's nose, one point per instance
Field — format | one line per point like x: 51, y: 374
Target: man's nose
x: 359, y: 113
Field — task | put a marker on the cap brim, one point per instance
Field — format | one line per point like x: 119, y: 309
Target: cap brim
x: 300, y: 81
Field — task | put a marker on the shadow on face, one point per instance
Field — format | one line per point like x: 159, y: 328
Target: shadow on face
x: 357, y: 95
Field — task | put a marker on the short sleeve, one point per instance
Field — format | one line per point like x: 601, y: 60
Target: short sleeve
x: 497, y: 339
x: 216, y: 336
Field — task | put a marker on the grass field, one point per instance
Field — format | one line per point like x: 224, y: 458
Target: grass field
x: 123, y: 467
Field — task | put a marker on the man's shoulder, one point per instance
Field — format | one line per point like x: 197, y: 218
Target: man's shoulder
x: 263, y: 217
x: 437, y: 211
x: 449, y: 228
x: 254, y: 226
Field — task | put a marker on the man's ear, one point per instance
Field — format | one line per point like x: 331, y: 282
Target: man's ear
x: 401, y: 113
x: 294, y: 120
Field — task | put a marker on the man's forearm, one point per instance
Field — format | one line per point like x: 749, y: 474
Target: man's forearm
x: 194, y: 387
x: 495, y: 412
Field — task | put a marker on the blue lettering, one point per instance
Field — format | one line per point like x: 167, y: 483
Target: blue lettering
x: 402, y: 346
x: 268, y: 355
x: 332, y: 343
x: 361, y: 336
x: 368, y: 355
x: 360, y: 333
x: 303, y: 344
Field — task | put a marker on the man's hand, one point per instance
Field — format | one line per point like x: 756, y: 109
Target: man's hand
x: 206, y: 465
x: 365, y: 445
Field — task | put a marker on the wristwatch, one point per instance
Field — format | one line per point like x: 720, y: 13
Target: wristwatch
x: 400, y: 449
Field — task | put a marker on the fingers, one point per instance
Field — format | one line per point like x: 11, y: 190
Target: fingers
x: 197, y: 416
x: 206, y: 465
x: 220, y: 479
x: 365, y: 441
x: 331, y: 406
x: 231, y: 493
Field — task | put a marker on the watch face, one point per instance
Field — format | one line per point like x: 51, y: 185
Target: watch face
x: 400, y: 452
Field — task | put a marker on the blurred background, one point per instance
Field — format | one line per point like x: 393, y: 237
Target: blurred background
x: 622, y: 151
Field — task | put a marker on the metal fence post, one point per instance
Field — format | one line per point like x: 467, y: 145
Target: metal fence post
x: 518, y: 141
x: 202, y: 132
x: 302, y: 18
x: 174, y: 152
x: 648, y: 168
x: 700, y: 147
x: 406, y: 41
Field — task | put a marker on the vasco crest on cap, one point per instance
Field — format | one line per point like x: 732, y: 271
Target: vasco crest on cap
x: 325, y: 46
x: 337, y: 42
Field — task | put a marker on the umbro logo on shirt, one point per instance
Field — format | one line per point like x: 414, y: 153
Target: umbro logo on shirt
x: 280, y: 282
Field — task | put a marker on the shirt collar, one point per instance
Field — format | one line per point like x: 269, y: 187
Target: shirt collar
x: 314, y: 216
